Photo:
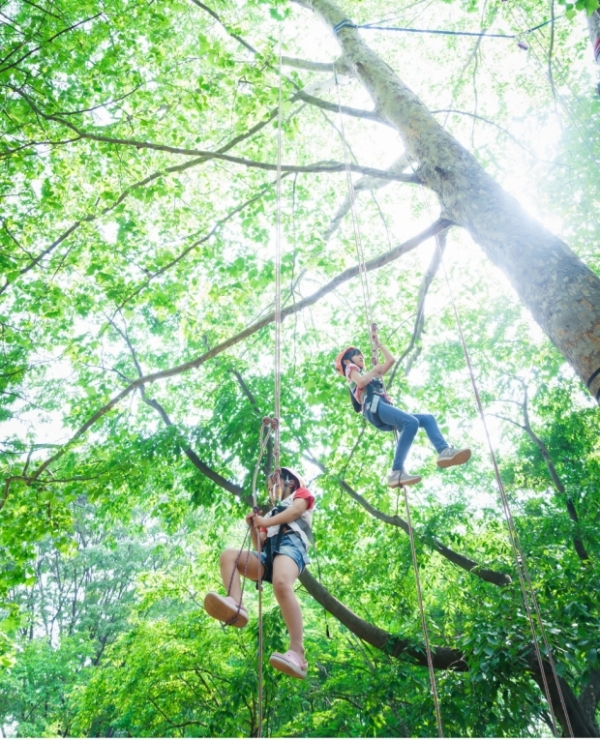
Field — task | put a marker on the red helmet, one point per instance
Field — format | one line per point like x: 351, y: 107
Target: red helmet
x: 338, y: 360
x: 285, y: 472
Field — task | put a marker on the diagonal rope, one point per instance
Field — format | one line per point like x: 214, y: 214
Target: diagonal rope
x: 525, y: 582
x: 360, y: 254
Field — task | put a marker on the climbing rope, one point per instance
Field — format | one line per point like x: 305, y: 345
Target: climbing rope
x: 268, y: 426
x: 373, y: 336
x: 271, y: 425
x: 362, y: 267
x: 413, y: 550
x: 277, y: 359
x: 347, y: 23
x: 528, y: 593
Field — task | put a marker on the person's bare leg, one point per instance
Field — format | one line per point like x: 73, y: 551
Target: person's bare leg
x: 248, y: 563
x: 285, y: 572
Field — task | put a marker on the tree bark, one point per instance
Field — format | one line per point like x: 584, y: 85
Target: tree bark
x: 581, y: 725
x: 593, y: 21
x: 562, y: 294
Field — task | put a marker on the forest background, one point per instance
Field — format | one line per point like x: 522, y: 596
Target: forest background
x: 138, y: 188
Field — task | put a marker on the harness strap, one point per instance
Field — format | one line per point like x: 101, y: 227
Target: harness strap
x: 304, y: 525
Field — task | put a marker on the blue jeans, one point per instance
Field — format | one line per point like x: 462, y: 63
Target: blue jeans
x: 407, y: 425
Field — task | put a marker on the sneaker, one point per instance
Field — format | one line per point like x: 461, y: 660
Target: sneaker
x: 402, y: 478
x: 225, y: 609
x: 451, y: 456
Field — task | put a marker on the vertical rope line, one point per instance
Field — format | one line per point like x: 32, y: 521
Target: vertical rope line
x: 267, y: 424
x: 529, y: 596
x: 413, y: 550
x: 518, y: 554
x: 277, y: 362
x: 372, y: 333
x: 362, y: 268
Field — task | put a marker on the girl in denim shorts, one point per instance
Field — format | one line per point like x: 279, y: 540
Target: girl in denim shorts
x: 284, y: 535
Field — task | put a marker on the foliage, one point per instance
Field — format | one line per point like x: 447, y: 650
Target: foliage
x: 126, y: 249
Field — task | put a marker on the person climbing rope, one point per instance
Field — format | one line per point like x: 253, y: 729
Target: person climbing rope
x: 368, y: 395
x: 284, y: 536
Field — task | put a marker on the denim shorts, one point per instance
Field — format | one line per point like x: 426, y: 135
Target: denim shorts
x: 290, y: 545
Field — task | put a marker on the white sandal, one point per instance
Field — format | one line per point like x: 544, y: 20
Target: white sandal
x: 290, y: 663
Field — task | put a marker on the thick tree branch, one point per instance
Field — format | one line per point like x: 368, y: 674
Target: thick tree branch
x: 443, y: 658
x: 343, y: 277
x: 556, y: 480
x: 490, y: 576
x: 305, y: 64
x: 189, y: 452
x: 334, y: 108
x: 436, y: 259
x: 364, y: 183
x: 580, y: 723
x: 138, y: 144
x: 323, y: 166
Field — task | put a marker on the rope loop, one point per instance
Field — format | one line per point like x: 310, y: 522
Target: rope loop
x: 346, y: 23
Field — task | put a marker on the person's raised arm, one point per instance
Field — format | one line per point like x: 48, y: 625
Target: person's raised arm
x: 389, y: 359
x: 376, y: 371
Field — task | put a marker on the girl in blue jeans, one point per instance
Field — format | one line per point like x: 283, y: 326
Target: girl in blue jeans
x: 368, y: 395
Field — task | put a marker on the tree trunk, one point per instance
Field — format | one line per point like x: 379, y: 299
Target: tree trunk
x: 561, y: 293
x: 594, y: 29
